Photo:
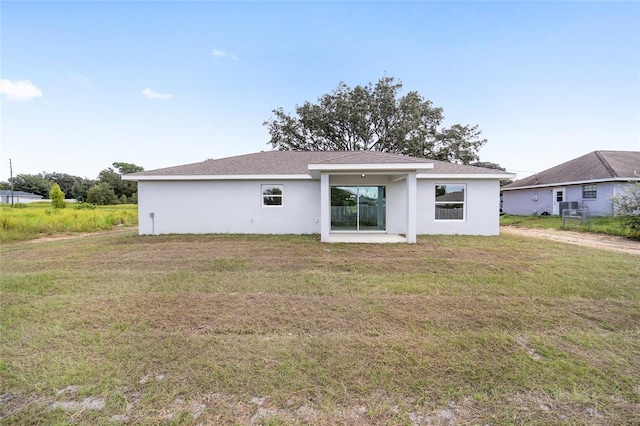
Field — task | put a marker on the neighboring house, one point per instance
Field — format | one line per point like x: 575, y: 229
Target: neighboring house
x: 587, y: 182
x: 311, y: 192
x: 18, y: 197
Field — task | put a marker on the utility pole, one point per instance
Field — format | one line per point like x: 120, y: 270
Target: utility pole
x: 11, y: 179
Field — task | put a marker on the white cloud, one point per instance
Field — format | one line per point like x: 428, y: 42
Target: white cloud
x: 222, y: 54
x: 19, y: 90
x: 155, y: 95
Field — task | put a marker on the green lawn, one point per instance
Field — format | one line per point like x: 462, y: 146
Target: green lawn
x: 278, y: 330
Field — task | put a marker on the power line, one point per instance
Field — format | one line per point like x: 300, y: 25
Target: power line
x: 11, y: 179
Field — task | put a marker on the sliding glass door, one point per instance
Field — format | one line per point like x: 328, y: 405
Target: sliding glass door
x: 358, y: 208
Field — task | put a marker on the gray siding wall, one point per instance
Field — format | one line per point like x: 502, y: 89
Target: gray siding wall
x: 522, y: 201
x: 525, y: 202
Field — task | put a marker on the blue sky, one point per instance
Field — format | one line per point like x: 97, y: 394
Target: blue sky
x: 159, y: 84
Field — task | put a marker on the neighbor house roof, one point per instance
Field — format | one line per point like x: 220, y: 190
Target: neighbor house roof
x: 298, y: 162
x: 597, y: 166
x: 7, y: 192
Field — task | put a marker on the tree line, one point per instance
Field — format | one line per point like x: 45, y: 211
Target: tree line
x: 108, y: 188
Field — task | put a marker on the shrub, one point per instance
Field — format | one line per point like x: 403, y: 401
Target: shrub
x: 85, y: 206
x: 101, y: 194
x: 57, y: 197
x: 626, y: 206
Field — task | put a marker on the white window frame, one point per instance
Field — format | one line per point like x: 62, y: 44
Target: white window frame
x: 262, y: 195
x: 595, y: 191
x: 463, y: 202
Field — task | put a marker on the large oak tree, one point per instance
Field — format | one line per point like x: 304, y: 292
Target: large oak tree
x: 374, y: 117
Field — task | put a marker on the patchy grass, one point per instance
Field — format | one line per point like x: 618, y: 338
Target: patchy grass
x: 34, y: 220
x: 599, y: 224
x: 283, y: 330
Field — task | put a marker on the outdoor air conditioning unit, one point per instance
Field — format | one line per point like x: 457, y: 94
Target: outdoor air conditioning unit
x: 574, y: 205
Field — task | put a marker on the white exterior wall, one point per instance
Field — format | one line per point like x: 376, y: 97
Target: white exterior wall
x: 522, y: 201
x: 199, y: 207
x: 351, y: 180
x: 482, y: 208
x: 19, y: 199
x: 397, y: 207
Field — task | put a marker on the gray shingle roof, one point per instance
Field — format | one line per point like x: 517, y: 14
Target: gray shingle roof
x: 597, y: 165
x: 261, y: 163
x: 368, y: 157
x: 445, y: 168
x: 297, y: 162
x: 5, y: 192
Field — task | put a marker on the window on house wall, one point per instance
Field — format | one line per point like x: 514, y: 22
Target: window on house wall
x: 450, y: 200
x: 271, y: 195
x: 589, y: 191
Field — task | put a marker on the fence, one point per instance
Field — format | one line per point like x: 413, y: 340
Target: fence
x: 582, y: 215
x: 347, y: 215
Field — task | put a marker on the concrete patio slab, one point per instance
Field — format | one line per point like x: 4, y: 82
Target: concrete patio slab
x: 365, y: 238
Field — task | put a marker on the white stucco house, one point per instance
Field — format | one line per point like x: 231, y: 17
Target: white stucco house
x: 319, y: 192
x: 6, y: 197
x: 587, y: 182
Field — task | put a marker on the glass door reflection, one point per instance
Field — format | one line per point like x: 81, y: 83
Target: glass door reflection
x: 358, y: 208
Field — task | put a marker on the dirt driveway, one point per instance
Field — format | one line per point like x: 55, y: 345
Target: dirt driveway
x: 601, y: 241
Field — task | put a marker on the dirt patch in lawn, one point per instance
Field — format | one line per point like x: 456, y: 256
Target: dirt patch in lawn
x: 118, y: 229
x: 599, y: 241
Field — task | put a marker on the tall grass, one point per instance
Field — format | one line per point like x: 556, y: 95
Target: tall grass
x: 598, y: 224
x: 38, y: 219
